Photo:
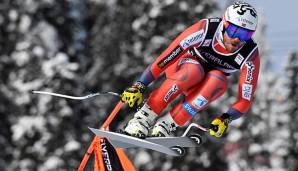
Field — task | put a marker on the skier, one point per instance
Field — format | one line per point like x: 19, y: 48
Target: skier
x: 197, y: 63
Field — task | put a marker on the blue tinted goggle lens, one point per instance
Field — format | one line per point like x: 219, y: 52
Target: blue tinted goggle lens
x: 234, y: 31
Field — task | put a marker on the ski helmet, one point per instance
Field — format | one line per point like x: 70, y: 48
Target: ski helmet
x: 243, y: 15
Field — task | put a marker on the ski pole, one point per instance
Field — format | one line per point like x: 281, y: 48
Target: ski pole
x: 195, y: 125
x: 77, y: 97
x: 104, y: 126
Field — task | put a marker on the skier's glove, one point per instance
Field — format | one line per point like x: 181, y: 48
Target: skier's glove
x: 219, y: 125
x: 133, y: 96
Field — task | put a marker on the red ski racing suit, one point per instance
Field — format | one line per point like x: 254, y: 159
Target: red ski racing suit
x: 197, y: 65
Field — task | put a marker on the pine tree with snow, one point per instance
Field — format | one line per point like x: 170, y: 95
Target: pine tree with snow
x: 291, y: 101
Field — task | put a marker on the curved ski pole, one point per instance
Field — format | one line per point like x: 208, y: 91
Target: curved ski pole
x: 197, y: 126
x: 96, y: 139
x: 77, y: 97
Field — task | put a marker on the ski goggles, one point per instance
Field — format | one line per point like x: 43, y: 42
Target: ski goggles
x: 234, y: 31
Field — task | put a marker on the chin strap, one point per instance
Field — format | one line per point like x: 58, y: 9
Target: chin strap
x: 221, y: 33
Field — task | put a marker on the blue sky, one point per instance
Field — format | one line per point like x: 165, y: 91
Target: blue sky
x: 282, y: 30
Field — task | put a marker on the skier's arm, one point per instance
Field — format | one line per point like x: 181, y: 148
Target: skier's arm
x: 192, y: 36
x: 247, y: 86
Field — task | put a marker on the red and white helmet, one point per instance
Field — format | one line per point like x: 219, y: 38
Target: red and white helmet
x: 242, y: 14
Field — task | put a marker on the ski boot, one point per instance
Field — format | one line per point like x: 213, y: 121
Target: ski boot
x: 164, y: 127
x: 140, y: 125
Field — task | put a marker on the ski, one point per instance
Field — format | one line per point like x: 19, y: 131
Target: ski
x: 187, y: 141
x: 136, y: 142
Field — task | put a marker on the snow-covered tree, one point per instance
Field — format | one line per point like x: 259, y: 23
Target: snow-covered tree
x: 291, y: 109
x: 35, y: 49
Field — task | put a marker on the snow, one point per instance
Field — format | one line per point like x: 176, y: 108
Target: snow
x: 52, y: 163
x: 27, y: 125
x: 255, y: 148
x: 23, y: 45
x: 43, y: 103
x: 183, y: 6
x: 48, y: 36
x: 235, y: 135
x: 154, y: 12
x: 205, y: 160
x: 199, y: 8
x: 137, y: 23
x: 13, y: 15
x: 21, y: 57
x: 38, y: 51
x: 59, y: 63
x: 142, y: 158
x: 24, y: 23
x: 26, y: 86
x: 72, y: 146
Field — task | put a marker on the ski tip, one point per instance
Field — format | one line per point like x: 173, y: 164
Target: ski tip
x: 93, y: 130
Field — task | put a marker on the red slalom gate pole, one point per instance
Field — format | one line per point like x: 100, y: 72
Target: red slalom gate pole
x: 96, y: 138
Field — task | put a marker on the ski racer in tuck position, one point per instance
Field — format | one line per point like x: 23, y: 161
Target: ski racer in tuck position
x: 197, y: 63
